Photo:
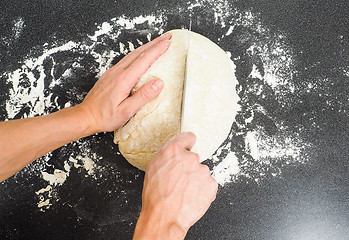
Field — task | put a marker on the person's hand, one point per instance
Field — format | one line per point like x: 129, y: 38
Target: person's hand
x: 109, y: 105
x: 177, y: 191
x: 106, y: 107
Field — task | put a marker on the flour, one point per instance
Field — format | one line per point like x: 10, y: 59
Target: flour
x: 17, y: 30
x: 85, y: 162
x: 128, y: 23
x: 57, y: 178
x: 84, y: 159
x: 59, y: 64
x: 261, y: 147
x: 29, y: 91
x: 103, y: 29
x: 28, y: 88
x: 264, y: 154
x: 28, y: 81
x: 226, y: 169
x: 45, y: 197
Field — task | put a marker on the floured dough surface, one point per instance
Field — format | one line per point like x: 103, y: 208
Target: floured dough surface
x: 211, y: 101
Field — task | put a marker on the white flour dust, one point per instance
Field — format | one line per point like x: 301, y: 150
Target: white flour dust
x: 226, y: 169
x: 266, y: 154
x: 84, y: 159
x: 29, y: 91
x: 17, y: 30
x: 28, y: 85
x: 32, y: 82
x: 28, y: 82
x: 261, y: 147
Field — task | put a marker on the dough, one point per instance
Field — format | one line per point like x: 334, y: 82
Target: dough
x: 211, y: 101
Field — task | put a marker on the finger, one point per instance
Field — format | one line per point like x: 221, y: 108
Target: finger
x: 144, y: 61
x: 193, y: 158
x: 129, y: 58
x: 186, y: 140
x: 192, y: 161
x: 130, y: 106
x: 213, y: 189
x: 212, y: 185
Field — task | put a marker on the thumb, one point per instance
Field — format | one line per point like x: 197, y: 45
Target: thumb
x: 142, y: 96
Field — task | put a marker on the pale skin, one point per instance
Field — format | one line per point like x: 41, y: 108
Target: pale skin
x: 177, y: 190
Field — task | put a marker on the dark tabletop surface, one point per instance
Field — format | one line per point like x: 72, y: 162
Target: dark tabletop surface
x: 290, y: 136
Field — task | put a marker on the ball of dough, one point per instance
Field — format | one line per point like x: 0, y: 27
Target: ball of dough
x: 211, y: 101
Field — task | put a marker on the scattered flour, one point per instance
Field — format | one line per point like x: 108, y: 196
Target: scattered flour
x: 264, y: 154
x: 84, y: 159
x: 29, y: 90
x: 128, y: 23
x: 17, y: 30
x: 103, y: 29
x: 28, y: 82
x: 227, y: 168
x: 261, y: 147
x: 45, y: 196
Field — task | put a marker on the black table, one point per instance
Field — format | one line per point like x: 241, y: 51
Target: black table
x: 290, y: 135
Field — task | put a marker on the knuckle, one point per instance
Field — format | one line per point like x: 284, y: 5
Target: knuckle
x: 143, y: 55
x: 196, y: 157
x: 173, y: 149
x: 205, y: 170
x: 117, y: 76
x: 192, y: 161
x: 146, y: 93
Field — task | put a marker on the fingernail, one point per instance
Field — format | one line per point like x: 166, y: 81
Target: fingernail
x: 157, y: 84
x: 165, y: 42
x: 166, y: 35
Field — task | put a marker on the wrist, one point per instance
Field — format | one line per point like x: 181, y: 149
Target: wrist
x: 80, y: 116
x: 156, y: 226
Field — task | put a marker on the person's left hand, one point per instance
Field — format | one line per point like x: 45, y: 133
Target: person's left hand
x: 109, y: 105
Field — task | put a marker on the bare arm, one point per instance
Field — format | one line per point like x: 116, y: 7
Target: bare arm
x: 177, y: 189
x: 106, y: 107
x: 23, y: 141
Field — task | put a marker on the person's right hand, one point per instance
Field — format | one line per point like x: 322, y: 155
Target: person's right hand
x: 177, y: 191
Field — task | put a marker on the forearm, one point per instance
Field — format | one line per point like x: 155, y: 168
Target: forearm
x: 155, y: 226
x: 22, y: 141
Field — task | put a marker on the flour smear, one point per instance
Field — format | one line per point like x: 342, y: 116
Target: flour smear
x: 33, y: 84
